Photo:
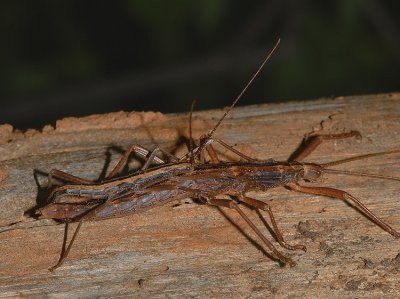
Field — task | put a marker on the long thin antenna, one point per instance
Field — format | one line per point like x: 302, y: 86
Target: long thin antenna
x: 358, y: 158
x: 363, y: 174
x: 243, y: 90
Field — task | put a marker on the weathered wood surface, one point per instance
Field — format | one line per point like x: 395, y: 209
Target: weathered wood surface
x: 191, y: 250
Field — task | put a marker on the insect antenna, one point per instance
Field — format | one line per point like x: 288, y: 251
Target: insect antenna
x: 357, y: 173
x: 211, y: 132
x: 358, y: 158
x: 363, y: 174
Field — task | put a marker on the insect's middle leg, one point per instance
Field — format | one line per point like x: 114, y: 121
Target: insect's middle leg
x: 340, y: 194
x: 312, y: 142
x: 265, y: 207
x: 233, y: 205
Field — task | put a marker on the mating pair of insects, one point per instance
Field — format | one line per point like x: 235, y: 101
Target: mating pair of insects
x: 201, y: 174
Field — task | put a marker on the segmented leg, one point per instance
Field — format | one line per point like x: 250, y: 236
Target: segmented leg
x: 150, y: 156
x: 233, y: 205
x: 230, y: 148
x: 312, y: 142
x: 205, y: 143
x: 153, y: 158
x: 64, y: 253
x: 265, y: 207
x: 213, y: 154
x: 339, y: 194
x: 65, y: 177
x: 140, y: 151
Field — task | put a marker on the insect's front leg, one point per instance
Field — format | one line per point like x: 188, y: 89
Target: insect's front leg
x: 310, y: 143
x: 340, y: 194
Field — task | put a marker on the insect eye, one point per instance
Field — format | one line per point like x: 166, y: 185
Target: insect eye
x: 311, y: 174
x: 316, y: 173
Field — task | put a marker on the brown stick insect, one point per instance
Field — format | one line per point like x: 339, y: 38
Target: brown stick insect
x: 201, y: 174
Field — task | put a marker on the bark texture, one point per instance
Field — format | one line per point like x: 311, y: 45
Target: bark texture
x: 184, y: 249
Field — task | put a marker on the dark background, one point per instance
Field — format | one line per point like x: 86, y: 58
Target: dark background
x: 73, y: 58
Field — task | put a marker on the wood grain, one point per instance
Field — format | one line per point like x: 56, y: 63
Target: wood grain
x: 186, y: 250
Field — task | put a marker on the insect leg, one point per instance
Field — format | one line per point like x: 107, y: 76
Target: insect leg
x: 139, y: 150
x: 310, y: 143
x: 339, y: 194
x: 233, y: 205
x: 209, y: 141
x: 65, y: 177
x: 64, y: 253
x: 213, y: 154
x: 153, y: 158
x: 265, y: 207
x: 230, y: 148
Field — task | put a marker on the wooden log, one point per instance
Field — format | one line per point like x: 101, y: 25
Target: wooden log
x: 184, y: 249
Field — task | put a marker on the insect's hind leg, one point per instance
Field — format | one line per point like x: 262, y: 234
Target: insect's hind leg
x: 153, y: 158
x: 310, y: 143
x: 55, y: 173
x: 140, y: 151
x: 233, y: 205
x: 265, y: 207
x: 150, y: 156
x: 65, y: 252
x: 340, y: 194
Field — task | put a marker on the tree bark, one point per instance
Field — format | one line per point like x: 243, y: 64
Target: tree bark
x: 185, y: 249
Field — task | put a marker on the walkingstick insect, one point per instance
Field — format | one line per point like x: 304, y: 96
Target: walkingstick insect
x: 201, y: 174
